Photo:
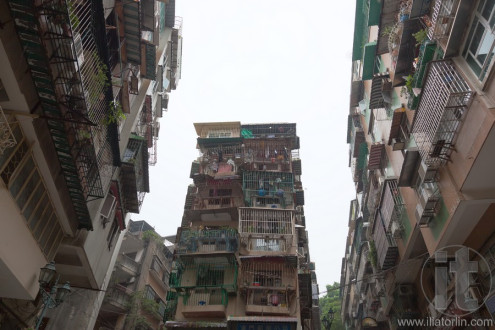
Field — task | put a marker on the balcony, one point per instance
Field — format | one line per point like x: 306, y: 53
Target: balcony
x: 267, y: 302
x: 270, y: 131
x: 448, y: 22
x: 134, y: 172
x: 176, y: 52
x: 392, y: 208
x: 270, y: 273
x: 193, y: 272
x: 445, y: 100
x: 260, y: 186
x: 426, y: 54
x: 386, y: 246
x: 207, y: 241
x: 65, y: 48
x: 429, y: 203
x: 128, y: 265
x: 258, y: 221
x: 211, y: 302
x: 118, y: 299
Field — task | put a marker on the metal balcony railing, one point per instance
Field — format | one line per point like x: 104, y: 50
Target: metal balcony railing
x: 265, y: 221
x: 445, y: 99
x: 442, y: 20
x: 273, y: 273
x: 64, y: 44
x: 128, y: 263
x: 204, y: 272
x: 206, y: 297
x: 207, y: 240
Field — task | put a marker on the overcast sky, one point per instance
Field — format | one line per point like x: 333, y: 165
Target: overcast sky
x: 258, y: 62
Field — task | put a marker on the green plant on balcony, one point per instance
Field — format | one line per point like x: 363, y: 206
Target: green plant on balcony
x: 74, y: 20
x: 420, y: 36
x: 150, y: 306
x: 115, y: 114
x: 151, y: 235
x: 98, y: 80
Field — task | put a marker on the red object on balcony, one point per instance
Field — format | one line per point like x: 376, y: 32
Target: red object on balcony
x: 275, y: 299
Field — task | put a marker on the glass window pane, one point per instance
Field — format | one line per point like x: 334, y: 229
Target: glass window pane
x: 487, y: 11
x: 20, y: 178
x: 35, y: 220
x: 485, y: 69
x: 486, y: 46
x: 478, y: 35
x: 33, y: 202
x: 473, y: 65
x: 473, y: 26
x: 26, y: 192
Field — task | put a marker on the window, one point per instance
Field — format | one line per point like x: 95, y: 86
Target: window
x: 479, y: 47
x: 219, y: 133
x: 112, y: 233
x: 19, y: 172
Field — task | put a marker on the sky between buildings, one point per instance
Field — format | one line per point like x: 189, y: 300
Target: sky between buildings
x: 261, y: 61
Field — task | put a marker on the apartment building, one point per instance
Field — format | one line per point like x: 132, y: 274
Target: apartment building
x: 421, y: 136
x: 82, y: 87
x: 139, y: 283
x: 241, y: 254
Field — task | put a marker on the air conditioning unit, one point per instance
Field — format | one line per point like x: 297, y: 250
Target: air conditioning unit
x: 397, y: 144
x: 78, y: 48
x: 405, y: 290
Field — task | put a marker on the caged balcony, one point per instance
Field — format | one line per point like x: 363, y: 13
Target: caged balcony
x: 392, y: 208
x: 445, y: 99
x: 65, y: 48
x: 134, y: 173
x: 205, y: 302
x: 202, y: 271
x: 268, y: 189
x: 207, y: 241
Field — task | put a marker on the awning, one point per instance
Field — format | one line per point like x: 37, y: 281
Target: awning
x: 359, y: 31
x: 132, y: 30
x: 409, y: 168
x: 375, y: 12
x: 376, y: 155
x: 396, y: 123
x: 369, y: 60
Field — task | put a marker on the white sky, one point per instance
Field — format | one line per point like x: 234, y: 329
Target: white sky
x: 261, y: 61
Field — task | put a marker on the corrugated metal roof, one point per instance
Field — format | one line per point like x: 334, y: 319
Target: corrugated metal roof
x: 376, y: 155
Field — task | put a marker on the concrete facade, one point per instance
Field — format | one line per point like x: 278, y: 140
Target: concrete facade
x: 424, y: 108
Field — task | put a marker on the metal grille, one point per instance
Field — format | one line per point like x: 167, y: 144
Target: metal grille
x: 206, y: 297
x: 269, y: 272
x: 442, y: 20
x: 278, y: 185
x: 446, y: 97
x: 207, y: 240
x: 392, y: 204
x: 205, y: 272
x: 265, y: 221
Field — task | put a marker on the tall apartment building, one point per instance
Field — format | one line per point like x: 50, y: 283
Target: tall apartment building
x: 138, y: 287
x: 421, y: 135
x: 82, y: 87
x: 241, y: 258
